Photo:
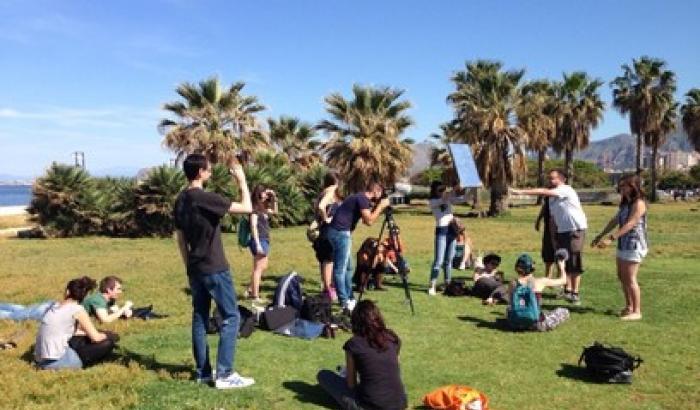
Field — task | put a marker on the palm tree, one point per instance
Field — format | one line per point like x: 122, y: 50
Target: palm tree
x: 537, y: 117
x: 691, y: 117
x: 154, y: 198
x: 365, y: 136
x: 484, y: 102
x: 641, y: 91
x: 440, y: 156
x: 657, y: 137
x: 212, y: 120
x: 296, y: 139
x: 579, y: 109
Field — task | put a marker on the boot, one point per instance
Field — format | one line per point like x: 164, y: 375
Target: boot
x: 378, y: 279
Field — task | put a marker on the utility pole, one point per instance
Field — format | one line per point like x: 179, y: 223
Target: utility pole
x: 79, y: 157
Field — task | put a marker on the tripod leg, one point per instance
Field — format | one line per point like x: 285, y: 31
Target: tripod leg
x: 407, y: 291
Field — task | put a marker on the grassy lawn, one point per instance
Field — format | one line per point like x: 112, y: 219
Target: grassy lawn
x: 449, y: 340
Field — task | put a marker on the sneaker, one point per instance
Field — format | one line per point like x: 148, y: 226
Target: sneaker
x: 574, y: 299
x: 432, y: 291
x: 563, y: 294
x: 350, y: 304
x: 234, y: 381
x: 632, y: 317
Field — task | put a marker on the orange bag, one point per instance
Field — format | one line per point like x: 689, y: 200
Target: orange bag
x: 456, y: 397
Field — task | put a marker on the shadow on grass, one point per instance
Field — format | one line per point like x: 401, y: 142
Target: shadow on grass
x: 572, y: 309
x: 499, y: 324
x: 310, y: 393
x: 573, y: 372
x: 149, y: 362
x: 398, y: 284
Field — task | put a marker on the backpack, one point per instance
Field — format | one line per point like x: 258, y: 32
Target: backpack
x: 313, y: 231
x: 288, y: 291
x: 246, y: 324
x: 244, y: 235
x: 524, y: 311
x: 455, y: 288
x: 316, y: 309
x: 608, y: 363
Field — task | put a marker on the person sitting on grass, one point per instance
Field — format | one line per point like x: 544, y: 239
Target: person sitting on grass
x: 464, y: 249
x: 524, y: 268
x: 102, y: 304
x: 488, y: 281
x: 56, y: 347
x: 372, y: 354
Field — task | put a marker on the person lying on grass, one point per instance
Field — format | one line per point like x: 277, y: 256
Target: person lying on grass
x: 488, y: 281
x: 524, y: 268
x: 56, y: 347
x: 372, y: 377
x: 102, y: 304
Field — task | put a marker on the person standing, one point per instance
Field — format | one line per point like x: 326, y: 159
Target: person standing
x: 548, y: 237
x: 565, y: 208
x: 632, y: 245
x: 325, y: 206
x: 441, y: 201
x: 264, y: 203
x: 198, y: 216
x: 355, y: 207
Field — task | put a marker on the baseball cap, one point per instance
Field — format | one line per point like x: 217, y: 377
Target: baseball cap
x: 525, y: 263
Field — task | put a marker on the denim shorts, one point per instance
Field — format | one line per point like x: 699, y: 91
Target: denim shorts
x: 634, y: 255
x: 264, y: 244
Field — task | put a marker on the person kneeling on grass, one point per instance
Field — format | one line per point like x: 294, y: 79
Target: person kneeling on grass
x: 524, y: 310
x: 56, y: 347
x: 102, y: 304
x: 372, y: 354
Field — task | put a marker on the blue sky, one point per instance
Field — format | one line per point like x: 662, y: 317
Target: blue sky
x: 92, y: 76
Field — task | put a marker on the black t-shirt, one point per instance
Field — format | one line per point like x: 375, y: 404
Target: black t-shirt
x: 380, y: 384
x: 198, y: 215
x: 348, y: 213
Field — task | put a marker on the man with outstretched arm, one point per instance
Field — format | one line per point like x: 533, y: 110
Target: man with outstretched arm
x: 570, y: 220
x: 198, y: 216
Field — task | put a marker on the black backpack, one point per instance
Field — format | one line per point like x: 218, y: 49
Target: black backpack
x: 608, y: 363
x: 456, y: 288
x: 316, y: 309
x: 246, y: 325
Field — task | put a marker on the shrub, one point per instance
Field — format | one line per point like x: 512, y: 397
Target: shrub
x: 154, y: 200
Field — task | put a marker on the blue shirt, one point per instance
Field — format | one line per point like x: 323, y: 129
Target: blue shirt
x: 349, y: 212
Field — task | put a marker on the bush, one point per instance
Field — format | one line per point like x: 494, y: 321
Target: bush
x: 155, y: 199
x: 675, y: 180
x: 427, y: 176
x: 586, y: 174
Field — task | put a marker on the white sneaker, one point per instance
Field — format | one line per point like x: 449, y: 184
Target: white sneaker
x: 350, y: 304
x: 234, y: 381
x: 431, y: 291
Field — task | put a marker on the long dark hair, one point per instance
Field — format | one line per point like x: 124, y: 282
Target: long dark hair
x: 79, y: 288
x: 368, y: 322
x: 256, y: 196
x: 330, y: 179
x: 636, y: 191
x: 437, y: 188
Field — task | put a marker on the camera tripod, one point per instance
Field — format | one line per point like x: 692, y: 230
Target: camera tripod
x: 392, y: 228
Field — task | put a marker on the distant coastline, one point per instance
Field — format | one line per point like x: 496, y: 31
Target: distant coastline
x: 15, y: 195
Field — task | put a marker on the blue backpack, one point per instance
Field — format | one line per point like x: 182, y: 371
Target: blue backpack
x: 524, y: 311
x: 288, y: 291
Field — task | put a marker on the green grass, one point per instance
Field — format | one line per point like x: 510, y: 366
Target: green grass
x: 449, y: 340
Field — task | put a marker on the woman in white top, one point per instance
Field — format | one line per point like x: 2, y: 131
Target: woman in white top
x: 441, y: 201
x: 59, y: 324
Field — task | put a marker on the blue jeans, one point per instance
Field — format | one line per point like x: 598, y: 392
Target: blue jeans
x: 21, y: 312
x: 444, y: 253
x: 217, y: 286
x: 342, y: 263
x: 69, y: 360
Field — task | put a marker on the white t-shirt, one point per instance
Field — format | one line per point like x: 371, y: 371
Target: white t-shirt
x: 442, y: 208
x: 566, y: 210
x: 56, y: 328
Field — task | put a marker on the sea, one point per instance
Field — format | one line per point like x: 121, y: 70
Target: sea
x: 15, y: 195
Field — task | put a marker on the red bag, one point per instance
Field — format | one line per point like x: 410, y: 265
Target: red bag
x: 456, y: 397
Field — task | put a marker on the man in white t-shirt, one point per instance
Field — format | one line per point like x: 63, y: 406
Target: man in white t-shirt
x: 566, y: 210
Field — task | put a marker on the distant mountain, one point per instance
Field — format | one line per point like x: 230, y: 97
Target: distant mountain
x: 619, y: 151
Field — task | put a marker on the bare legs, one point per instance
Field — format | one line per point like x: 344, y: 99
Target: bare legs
x: 259, y: 267
x: 548, y: 269
x: 327, y: 276
x: 627, y: 273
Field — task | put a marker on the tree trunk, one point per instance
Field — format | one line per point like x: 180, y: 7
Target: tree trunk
x: 499, y: 196
x: 639, y: 154
x: 569, y: 166
x: 475, y: 201
x: 654, y: 153
x: 540, y: 173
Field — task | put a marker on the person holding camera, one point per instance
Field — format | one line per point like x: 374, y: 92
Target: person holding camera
x: 446, y: 230
x: 197, y: 217
x: 632, y: 245
x: 264, y: 203
x: 355, y: 207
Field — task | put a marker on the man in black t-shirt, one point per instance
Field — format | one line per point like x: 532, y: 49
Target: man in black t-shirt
x: 198, y: 216
x: 355, y: 207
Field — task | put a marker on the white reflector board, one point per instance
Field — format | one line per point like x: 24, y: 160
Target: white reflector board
x: 465, y: 166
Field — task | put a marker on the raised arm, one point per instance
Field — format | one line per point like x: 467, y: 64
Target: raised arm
x: 245, y: 206
x: 368, y: 217
x: 328, y: 198
x: 535, y: 191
